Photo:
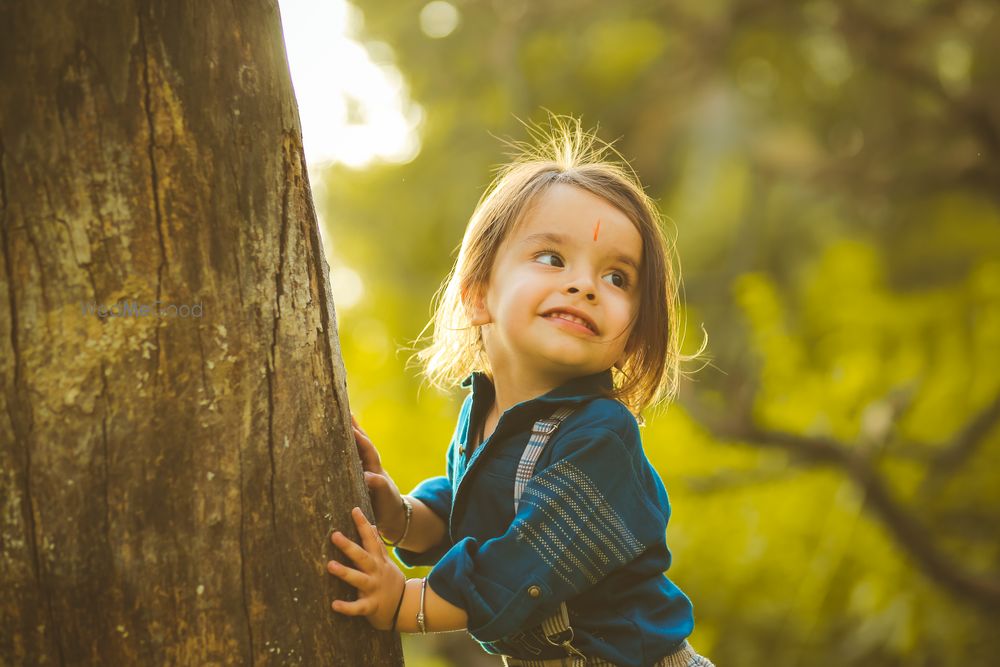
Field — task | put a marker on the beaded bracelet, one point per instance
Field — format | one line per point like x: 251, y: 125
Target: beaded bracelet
x: 408, y: 509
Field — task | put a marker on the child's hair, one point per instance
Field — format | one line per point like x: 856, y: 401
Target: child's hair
x: 565, y: 154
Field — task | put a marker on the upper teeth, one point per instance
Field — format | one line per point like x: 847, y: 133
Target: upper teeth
x: 571, y: 318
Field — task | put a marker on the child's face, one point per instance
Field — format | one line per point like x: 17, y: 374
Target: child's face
x: 573, y: 254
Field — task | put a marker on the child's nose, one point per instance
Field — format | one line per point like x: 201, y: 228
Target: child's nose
x: 589, y: 293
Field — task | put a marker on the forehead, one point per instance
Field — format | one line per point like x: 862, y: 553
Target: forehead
x: 573, y: 213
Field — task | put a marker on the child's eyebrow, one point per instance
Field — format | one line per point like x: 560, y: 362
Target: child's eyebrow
x: 547, y: 237
x: 559, y: 239
x: 625, y: 259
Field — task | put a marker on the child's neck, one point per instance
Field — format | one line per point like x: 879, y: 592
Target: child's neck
x: 516, y: 387
x: 507, y: 395
x: 513, y: 387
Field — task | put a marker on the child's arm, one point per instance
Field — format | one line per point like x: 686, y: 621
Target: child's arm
x: 593, y: 511
x: 439, y: 614
x: 426, y: 528
x: 378, y: 580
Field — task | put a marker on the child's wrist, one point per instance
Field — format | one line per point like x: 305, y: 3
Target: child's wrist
x: 406, y: 621
x: 399, y: 605
x: 406, y: 509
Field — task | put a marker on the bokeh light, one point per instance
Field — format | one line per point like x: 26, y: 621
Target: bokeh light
x: 353, y: 103
x: 438, y: 19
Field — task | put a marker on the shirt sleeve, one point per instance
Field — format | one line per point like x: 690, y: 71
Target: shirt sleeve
x: 436, y: 494
x: 578, y: 520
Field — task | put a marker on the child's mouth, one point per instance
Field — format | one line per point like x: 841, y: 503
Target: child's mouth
x: 577, y: 323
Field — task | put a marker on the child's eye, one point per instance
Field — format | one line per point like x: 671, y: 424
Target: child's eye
x: 622, y: 279
x: 556, y: 259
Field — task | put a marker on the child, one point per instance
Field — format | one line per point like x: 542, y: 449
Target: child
x: 547, y: 535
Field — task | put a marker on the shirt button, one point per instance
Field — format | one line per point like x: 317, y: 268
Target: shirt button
x: 534, y: 591
x: 461, y: 450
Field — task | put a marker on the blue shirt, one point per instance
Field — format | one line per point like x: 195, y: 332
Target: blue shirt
x: 590, y: 530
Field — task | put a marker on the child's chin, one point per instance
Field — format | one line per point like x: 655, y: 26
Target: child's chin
x: 569, y: 365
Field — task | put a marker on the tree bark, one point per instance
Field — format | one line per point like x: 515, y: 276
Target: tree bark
x: 169, y: 476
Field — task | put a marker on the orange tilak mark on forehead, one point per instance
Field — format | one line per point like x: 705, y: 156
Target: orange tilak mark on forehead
x: 597, y: 228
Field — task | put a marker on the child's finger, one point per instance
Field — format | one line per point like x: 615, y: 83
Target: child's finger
x: 368, y: 532
x: 354, y: 422
x: 362, y: 607
x: 376, y: 484
x: 349, y: 575
x: 366, y: 451
x: 361, y: 558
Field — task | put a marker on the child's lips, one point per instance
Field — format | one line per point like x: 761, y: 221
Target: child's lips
x: 569, y: 321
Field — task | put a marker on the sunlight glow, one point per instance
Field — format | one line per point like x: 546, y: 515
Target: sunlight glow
x: 347, y: 286
x: 353, y: 103
x: 438, y: 19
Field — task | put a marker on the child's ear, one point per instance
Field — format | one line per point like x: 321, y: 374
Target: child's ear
x: 475, y: 306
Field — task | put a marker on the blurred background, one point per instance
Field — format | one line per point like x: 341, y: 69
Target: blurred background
x: 830, y: 172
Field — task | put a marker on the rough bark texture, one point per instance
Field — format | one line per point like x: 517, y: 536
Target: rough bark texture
x: 168, y: 484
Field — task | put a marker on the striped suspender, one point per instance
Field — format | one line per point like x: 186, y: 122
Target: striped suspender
x: 556, y: 627
x: 540, y: 434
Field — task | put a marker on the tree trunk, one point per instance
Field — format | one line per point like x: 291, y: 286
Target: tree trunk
x: 171, y: 470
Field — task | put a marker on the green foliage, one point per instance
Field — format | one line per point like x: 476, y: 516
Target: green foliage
x: 831, y: 173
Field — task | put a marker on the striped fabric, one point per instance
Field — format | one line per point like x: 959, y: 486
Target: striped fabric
x: 556, y: 627
x: 685, y: 656
x: 591, y: 522
x: 581, y: 531
x: 540, y: 433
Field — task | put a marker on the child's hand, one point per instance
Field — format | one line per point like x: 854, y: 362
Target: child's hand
x: 378, y: 579
x: 386, y: 501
